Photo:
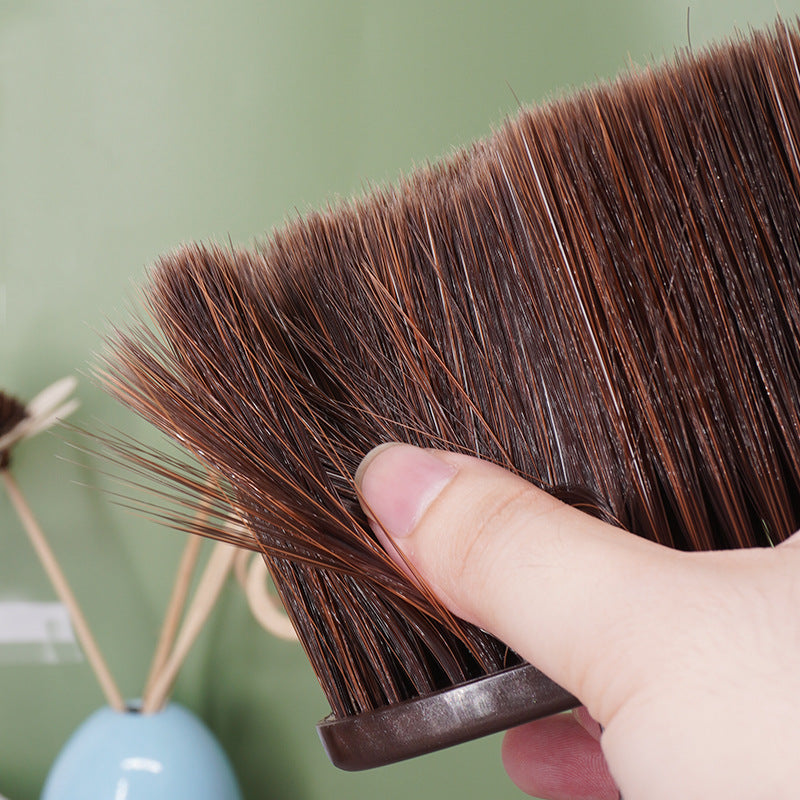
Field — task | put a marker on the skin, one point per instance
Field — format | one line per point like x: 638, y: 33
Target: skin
x: 688, y: 664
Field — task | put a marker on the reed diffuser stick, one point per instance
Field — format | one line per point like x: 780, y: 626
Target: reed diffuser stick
x: 175, y: 607
x: 205, y: 597
x: 64, y: 592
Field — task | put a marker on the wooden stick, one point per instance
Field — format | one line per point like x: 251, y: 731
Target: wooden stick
x: 208, y: 590
x: 174, y: 612
x: 266, y: 608
x: 62, y: 588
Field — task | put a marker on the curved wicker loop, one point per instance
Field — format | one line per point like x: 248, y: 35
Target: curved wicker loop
x: 253, y: 577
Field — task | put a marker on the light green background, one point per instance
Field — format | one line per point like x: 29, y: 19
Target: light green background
x: 126, y: 128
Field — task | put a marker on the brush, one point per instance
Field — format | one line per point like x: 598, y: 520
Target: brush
x: 602, y: 296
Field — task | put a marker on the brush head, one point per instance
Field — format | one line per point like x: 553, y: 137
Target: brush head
x: 602, y: 297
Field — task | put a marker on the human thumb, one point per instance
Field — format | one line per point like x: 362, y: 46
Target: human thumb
x: 550, y: 581
x: 688, y: 660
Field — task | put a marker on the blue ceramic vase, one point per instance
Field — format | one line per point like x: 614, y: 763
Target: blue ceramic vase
x: 169, y: 755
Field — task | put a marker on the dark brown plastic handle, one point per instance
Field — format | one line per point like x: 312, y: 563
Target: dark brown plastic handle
x: 435, y: 721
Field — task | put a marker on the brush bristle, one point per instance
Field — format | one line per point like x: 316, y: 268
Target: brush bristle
x: 602, y: 297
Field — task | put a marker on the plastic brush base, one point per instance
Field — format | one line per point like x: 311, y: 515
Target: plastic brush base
x: 441, y: 719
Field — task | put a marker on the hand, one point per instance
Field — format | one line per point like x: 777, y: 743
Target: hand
x: 690, y: 662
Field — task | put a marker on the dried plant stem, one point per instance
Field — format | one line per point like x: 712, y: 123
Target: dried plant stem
x: 172, y: 617
x: 208, y: 590
x: 265, y: 607
x: 62, y: 588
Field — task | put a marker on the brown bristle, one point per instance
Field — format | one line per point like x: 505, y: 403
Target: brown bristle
x: 602, y: 297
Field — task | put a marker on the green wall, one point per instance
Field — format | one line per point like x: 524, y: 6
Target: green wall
x: 126, y: 129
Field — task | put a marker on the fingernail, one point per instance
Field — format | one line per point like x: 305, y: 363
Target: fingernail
x: 398, y: 482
